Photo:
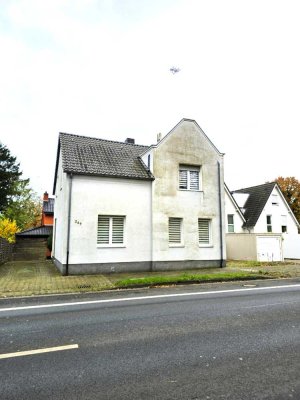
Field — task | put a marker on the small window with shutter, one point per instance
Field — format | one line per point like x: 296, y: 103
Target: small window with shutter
x: 189, y: 177
x: 110, y: 230
x: 204, y: 231
x: 175, y: 236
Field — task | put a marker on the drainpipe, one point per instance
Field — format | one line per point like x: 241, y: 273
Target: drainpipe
x: 69, y: 224
x: 221, y: 215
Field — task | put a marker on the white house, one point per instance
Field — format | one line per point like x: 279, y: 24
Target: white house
x: 125, y: 207
x: 271, y: 226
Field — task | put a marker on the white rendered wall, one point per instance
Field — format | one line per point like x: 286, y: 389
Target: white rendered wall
x: 186, y: 144
x: 230, y: 209
x: 93, y: 196
x: 59, y: 245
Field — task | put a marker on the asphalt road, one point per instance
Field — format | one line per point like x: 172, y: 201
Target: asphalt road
x: 224, y: 341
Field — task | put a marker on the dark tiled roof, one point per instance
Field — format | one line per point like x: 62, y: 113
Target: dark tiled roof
x: 92, y: 156
x: 258, y: 197
x: 48, y: 206
x: 40, y: 231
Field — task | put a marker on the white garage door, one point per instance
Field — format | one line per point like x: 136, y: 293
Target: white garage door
x: 269, y: 248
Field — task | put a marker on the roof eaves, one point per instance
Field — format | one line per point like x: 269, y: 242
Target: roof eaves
x: 151, y: 176
x: 234, y: 202
x: 74, y: 173
x: 56, y: 166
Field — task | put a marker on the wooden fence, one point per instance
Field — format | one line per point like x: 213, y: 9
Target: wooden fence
x: 6, y: 250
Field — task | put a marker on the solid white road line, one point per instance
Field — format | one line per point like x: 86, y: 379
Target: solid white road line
x: 159, y: 296
x: 38, y: 351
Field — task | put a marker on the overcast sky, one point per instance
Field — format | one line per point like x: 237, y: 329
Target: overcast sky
x: 101, y: 68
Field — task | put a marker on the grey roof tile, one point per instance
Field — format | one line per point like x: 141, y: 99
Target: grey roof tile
x: 258, y: 197
x: 40, y: 231
x: 48, y: 206
x: 91, y: 156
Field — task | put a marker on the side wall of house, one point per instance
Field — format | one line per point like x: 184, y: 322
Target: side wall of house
x: 187, y: 145
x: 93, y: 196
x: 59, y: 245
x: 230, y: 209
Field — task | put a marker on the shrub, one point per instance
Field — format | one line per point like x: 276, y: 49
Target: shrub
x: 8, y: 229
x: 49, y: 243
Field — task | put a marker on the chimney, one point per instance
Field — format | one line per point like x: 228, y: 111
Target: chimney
x: 129, y: 140
x: 46, y: 196
x: 158, y: 137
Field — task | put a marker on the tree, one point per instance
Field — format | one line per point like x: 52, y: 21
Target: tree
x: 18, y: 202
x: 9, y: 175
x: 290, y: 188
x: 24, y: 206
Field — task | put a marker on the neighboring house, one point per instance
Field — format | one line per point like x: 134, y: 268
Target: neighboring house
x: 125, y: 207
x: 234, y: 217
x: 267, y: 218
x: 47, y: 210
x: 31, y: 243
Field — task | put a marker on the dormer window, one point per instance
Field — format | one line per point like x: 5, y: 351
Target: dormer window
x: 189, y: 177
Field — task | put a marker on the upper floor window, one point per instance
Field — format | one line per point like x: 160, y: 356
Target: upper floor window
x: 110, y: 230
x: 269, y: 223
x: 275, y: 200
x: 189, y: 177
x: 284, y: 224
x: 230, y: 223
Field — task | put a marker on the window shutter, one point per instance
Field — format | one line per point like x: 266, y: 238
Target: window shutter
x: 174, y: 230
x: 194, y: 180
x: 117, y: 229
x: 203, y: 229
x: 183, y: 179
x: 103, y: 230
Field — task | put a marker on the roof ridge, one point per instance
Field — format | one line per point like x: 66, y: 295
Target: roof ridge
x: 255, y: 186
x: 104, y: 140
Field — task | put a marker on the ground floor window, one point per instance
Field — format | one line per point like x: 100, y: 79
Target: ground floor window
x: 230, y: 223
x: 204, y: 231
x: 110, y: 230
x: 175, y: 228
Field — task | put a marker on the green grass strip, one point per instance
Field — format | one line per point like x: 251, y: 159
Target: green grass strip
x: 188, y: 278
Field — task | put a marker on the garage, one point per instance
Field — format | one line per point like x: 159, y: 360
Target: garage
x: 269, y: 248
x: 254, y: 247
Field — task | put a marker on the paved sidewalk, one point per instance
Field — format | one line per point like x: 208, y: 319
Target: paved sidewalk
x: 27, y: 278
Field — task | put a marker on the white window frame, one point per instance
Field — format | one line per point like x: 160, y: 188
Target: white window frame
x: 110, y: 231
x: 230, y: 225
x: 209, y: 244
x: 269, y: 225
x: 275, y: 201
x: 188, y: 169
x: 284, y: 224
x: 179, y: 243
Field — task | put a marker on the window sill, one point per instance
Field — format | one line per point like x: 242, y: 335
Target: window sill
x: 206, y: 245
x: 109, y: 246
x: 191, y: 190
x: 176, y: 245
